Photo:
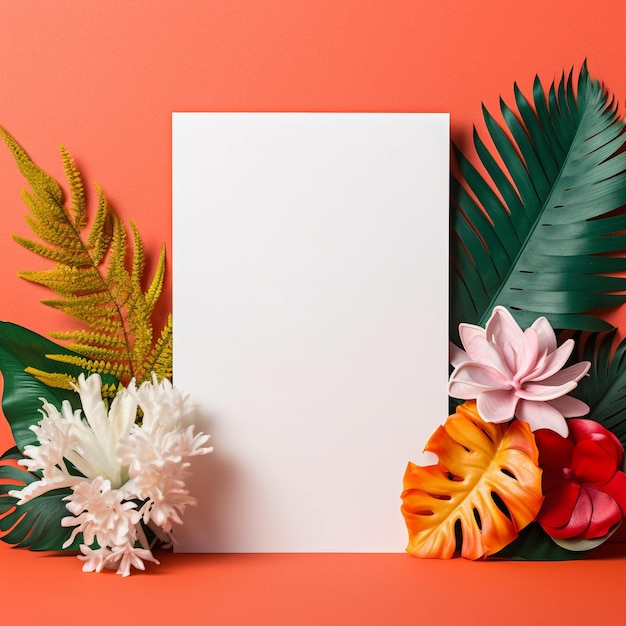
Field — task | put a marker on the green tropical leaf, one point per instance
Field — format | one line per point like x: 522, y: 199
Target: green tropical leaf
x: 604, y: 389
x: 21, y: 348
x: 36, y: 524
x: 538, y: 235
x: 533, y: 544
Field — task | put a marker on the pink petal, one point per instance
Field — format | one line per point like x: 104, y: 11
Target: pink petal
x: 457, y: 356
x: 469, y: 379
x: 547, y: 338
x: 541, y: 415
x: 481, y: 351
x: 573, y: 373
x: 552, y: 363
x: 528, y: 354
x: 542, y: 392
x: 503, y: 331
x: 469, y: 333
x: 497, y: 406
x: 568, y: 406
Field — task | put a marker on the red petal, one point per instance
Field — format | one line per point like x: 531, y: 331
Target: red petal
x: 589, y: 429
x: 578, y: 522
x: 605, y: 514
x: 559, y: 503
x: 616, y: 488
x: 591, y: 463
x: 555, y: 452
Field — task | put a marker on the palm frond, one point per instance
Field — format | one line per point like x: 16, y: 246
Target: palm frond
x: 35, y: 525
x: 540, y: 231
x: 90, y: 276
x: 604, y: 389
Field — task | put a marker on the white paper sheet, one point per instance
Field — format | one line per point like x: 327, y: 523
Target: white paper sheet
x: 310, y: 319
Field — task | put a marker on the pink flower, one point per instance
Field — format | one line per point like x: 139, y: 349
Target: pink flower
x: 583, y: 485
x: 514, y: 373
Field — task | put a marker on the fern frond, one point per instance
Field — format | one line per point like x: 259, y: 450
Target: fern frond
x: 139, y: 259
x: 93, y: 366
x: 78, y: 207
x: 84, y: 337
x: 154, y: 291
x: 159, y: 360
x: 102, y: 230
x: 63, y: 256
x: 41, y: 183
x: 61, y: 380
x: 58, y: 380
x: 91, y: 276
x: 63, y: 280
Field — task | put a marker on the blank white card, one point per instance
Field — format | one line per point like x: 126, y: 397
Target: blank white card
x: 310, y: 321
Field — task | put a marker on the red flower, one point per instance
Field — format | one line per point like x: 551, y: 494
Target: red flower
x: 583, y: 485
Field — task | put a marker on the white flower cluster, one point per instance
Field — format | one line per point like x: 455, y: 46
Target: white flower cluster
x: 130, y: 473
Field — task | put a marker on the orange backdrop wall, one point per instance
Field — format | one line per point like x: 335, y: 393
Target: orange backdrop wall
x: 102, y: 77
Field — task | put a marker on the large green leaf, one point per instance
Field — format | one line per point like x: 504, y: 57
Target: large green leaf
x: 36, y: 524
x: 537, y: 234
x: 21, y: 399
x: 533, y: 544
x: 604, y: 390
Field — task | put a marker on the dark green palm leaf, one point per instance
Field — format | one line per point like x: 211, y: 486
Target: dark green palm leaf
x: 533, y: 544
x: 604, y: 390
x: 35, y: 525
x: 541, y: 235
x: 21, y: 398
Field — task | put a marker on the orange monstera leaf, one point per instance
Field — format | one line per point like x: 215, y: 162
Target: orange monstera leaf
x: 486, y: 487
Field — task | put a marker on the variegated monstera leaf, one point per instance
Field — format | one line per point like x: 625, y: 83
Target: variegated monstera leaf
x: 485, y: 488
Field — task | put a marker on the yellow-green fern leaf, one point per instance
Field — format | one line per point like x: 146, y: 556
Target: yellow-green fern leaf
x: 90, y: 274
x: 41, y: 183
x: 58, y: 380
x: 159, y: 360
x: 102, y: 229
x: 156, y: 286
x: 78, y: 205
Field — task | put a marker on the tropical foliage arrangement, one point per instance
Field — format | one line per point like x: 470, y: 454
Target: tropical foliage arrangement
x: 530, y: 461
x: 102, y: 451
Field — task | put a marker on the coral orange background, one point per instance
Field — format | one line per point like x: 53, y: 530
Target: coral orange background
x: 103, y: 77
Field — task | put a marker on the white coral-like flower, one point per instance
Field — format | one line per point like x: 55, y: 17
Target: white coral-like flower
x: 129, y: 473
x: 100, y: 514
